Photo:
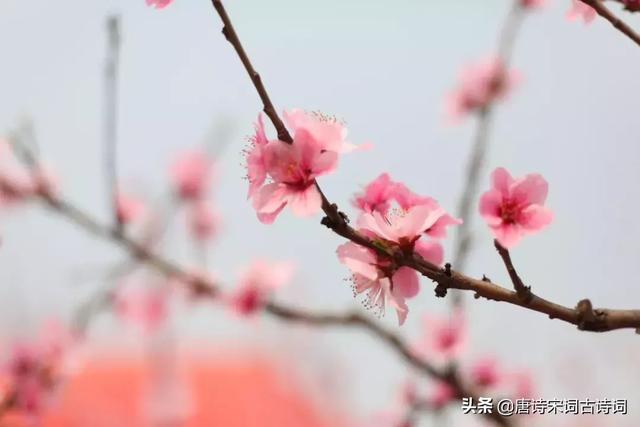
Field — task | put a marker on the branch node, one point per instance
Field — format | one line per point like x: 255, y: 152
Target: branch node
x: 524, y: 292
x: 590, y: 319
x: 486, y: 279
x: 441, y: 290
x: 447, y: 269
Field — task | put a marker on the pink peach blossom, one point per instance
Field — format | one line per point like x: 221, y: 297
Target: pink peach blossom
x: 403, y: 229
x: 16, y: 182
x: 293, y: 168
x: 441, y: 394
x: 45, y: 183
x: 128, y: 208
x: 34, y: 368
x: 202, y: 220
x: 521, y: 384
x: 376, y: 195
x: 582, y: 10
x: 480, y: 84
x: 372, y: 275
x: 256, y: 168
x: 142, y: 305
x: 256, y: 282
x: 443, y: 336
x: 486, y: 372
x: 383, y: 284
x: 158, y: 4
x: 330, y: 133
x: 514, y: 207
x: 406, y: 199
x: 190, y: 174
x: 532, y: 4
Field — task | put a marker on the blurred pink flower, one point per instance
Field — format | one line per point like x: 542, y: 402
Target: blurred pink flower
x: 514, y: 207
x: 443, y: 336
x: 128, y: 208
x: 532, y: 4
x: 430, y: 251
x: 480, y: 84
x: 44, y: 181
x: 521, y: 384
x: 34, y: 368
x: 293, y: 168
x: 145, y: 306
x: 202, y: 221
x: 190, y: 174
x: 16, y: 182
x: 256, y: 282
x: 159, y: 4
x: 581, y: 10
x: 486, y: 372
x: 440, y: 395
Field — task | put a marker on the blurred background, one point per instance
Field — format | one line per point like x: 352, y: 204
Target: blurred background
x: 385, y: 68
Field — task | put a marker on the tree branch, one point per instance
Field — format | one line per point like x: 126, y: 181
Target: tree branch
x: 601, y: 321
x: 620, y: 25
x: 230, y: 34
x: 524, y: 292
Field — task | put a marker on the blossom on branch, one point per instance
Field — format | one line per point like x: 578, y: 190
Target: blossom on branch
x: 292, y: 169
x: 443, y: 337
x: 514, y: 207
x: 34, y: 369
x: 393, y: 217
x: 532, y: 4
x: 128, y: 208
x: 158, y: 4
x: 256, y: 283
x: 582, y: 10
x: 480, y: 84
x: 381, y: 193
x: 190, y: 175
x: 202, y: 221
x: 145, y: 306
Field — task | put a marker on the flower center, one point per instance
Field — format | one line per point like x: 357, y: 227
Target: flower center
x: 509, y: 211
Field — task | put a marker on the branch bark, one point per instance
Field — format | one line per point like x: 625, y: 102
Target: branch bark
x: 617, y: 23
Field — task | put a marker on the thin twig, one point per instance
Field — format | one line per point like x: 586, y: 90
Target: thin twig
x: 619, y: 24
x: 111, y: 116
x: 475, y: 165
x: 524, y: 292
x: 230, y: 33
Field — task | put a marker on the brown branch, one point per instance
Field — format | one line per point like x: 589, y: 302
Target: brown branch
x: 230, y: 34
x: 524, y: 292
x: 618, y: 24
x: 449, y: 376
x: 603, y: 319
